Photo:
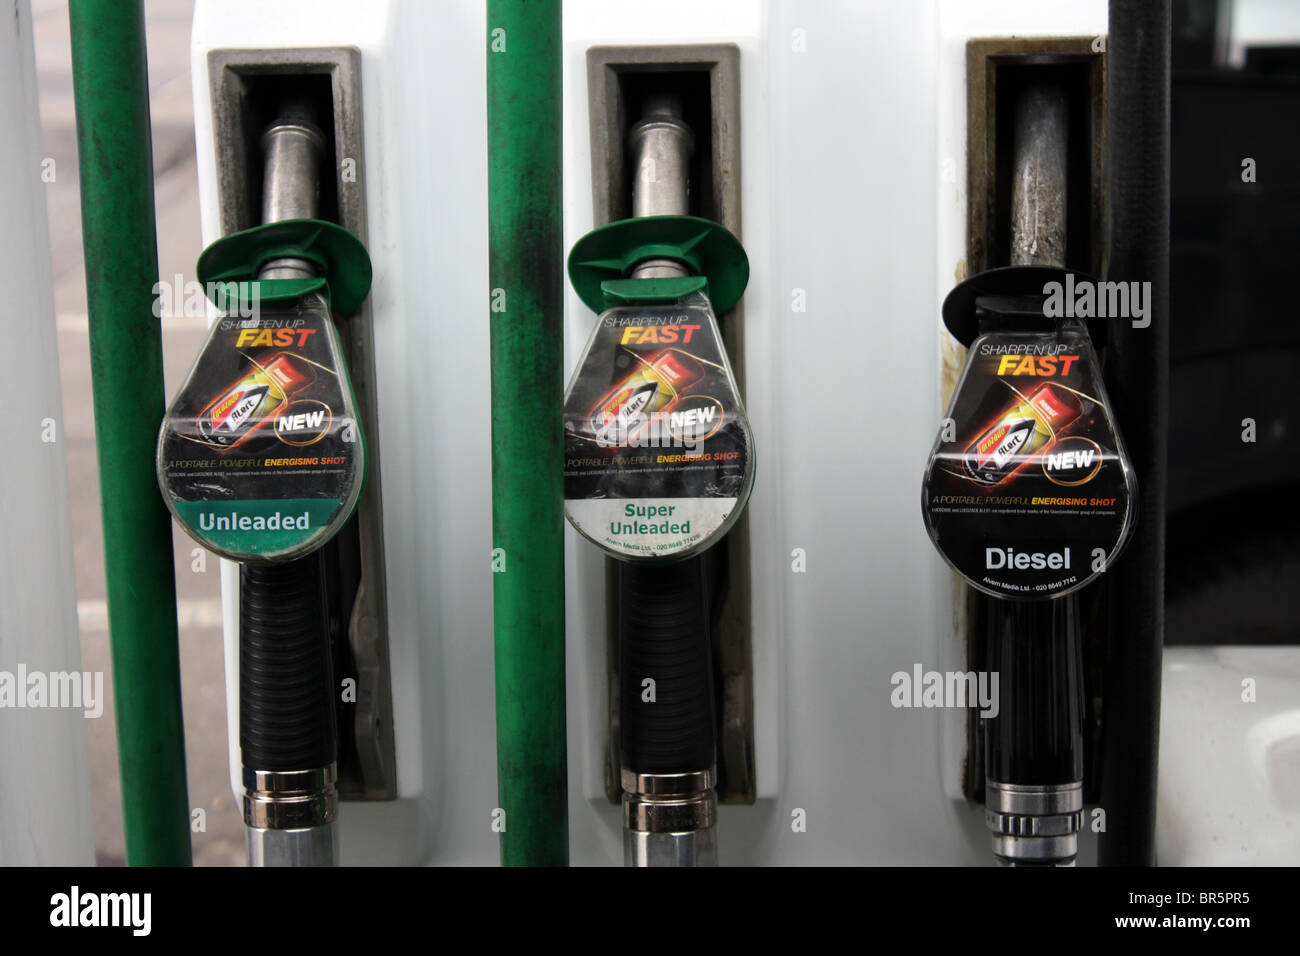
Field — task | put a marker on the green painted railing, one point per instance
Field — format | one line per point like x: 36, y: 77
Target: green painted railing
x: 110, y: 79
x: 526, y: 278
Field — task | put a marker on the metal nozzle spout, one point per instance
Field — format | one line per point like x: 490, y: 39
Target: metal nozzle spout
x: 1038, y: 189
x: 293, y: 148
x: 661, y: 145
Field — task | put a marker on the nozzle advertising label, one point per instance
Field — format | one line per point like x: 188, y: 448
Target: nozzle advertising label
x: 1028, y: 493
x: 658, y: 456
x: 260, y: 454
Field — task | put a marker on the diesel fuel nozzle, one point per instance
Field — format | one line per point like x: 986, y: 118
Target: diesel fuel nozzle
x: 1033, y: 789
x: 1028, y: 498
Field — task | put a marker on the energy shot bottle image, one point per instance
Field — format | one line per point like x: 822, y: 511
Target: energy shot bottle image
x: 251, y: 402
x: 1026, y: 428
x: 653, y: 388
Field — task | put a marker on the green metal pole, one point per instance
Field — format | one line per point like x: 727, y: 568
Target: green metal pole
x: 110, y: 80
x: 526, y: 278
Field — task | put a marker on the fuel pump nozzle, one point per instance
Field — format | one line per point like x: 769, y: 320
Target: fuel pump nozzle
x: 668, y: 817
x: 1042, y: 488
x: 658, y: 467
x: 287, y: 734
x: 261, y: 460
x: 1033, y: 788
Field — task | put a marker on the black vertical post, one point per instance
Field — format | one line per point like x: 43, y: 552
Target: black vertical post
x: 1138, y: 383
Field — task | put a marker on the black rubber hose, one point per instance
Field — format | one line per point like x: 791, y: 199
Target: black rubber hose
x: 1137, y: 378
x: 286, y: 696
x: 1036, y: 649
x: 663, y: 636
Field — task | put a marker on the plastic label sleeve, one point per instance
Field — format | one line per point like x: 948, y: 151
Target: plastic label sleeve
x: 658, y: 455
x: 260, y: 454
x: 1028, y: 492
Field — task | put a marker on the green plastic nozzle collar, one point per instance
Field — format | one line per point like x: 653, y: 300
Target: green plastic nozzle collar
x: 340, y: 257
x: 602, y: 260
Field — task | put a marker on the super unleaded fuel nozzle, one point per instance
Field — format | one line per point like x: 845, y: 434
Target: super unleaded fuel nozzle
x: 659, y: 464
x: 261, y: 459
x: 1029, y: 500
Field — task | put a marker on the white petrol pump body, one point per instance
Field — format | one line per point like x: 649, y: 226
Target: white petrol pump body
x: 851, y: 140
x: 424, y: 172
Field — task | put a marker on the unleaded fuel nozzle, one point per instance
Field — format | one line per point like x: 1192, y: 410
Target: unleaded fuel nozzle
x: 658, y: 465
x: 261, y: 459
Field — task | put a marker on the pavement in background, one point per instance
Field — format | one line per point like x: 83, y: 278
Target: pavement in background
x: 179, y: 244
